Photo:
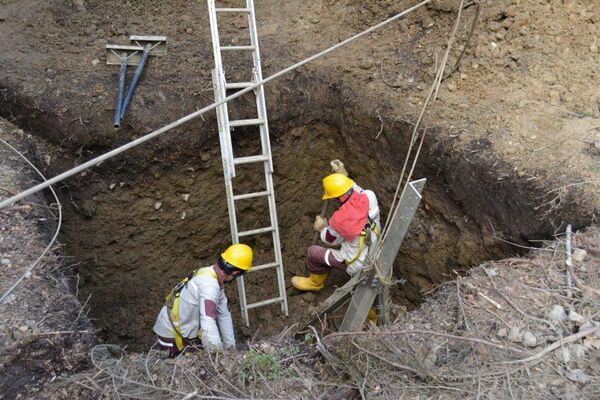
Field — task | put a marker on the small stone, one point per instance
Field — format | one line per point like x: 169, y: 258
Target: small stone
x: 157, y: 205
x: 95, y: 61
x: 557, y: 314
x: 463, y: 76
x: 577, y: 350
x: 308, y: 297
x: 554, y: 97
x: 10, y: 299
x: 490, y: 272
x: 183, y: 214
x: 112, y: 186
x: 577, y: 375
x: 577, y: 318
x: 596, y: 144
x: 5, y: 261
x: 514, y: 335
x: 502, y: 333
x: 593, y: 48
x: 529, y: 339
x: 205, y: 156
x: 185, y: 196
x: 579, y: 255
x: 189, y: 30
x: 23, y: 328
x: 451, y: 87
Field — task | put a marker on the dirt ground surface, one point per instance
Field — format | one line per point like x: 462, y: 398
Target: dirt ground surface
x: 44, y: 330
x: 512, y: 150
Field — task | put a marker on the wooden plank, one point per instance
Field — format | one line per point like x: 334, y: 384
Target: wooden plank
x: 335, y: 301
x: 367, y: 289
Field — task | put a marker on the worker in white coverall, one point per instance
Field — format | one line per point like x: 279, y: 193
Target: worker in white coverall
x: 354, y: 227
x: 196, y: 309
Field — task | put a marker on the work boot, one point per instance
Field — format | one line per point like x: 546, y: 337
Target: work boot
x: 372, y: 316
x: 312, y: 283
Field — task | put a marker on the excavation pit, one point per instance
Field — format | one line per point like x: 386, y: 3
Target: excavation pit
x: 133, y: 234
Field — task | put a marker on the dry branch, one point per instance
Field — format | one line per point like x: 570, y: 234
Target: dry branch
x: 555, y: 345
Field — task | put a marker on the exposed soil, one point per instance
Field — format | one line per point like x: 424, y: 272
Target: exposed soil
x: 511, y: 150
x: 44, y: 330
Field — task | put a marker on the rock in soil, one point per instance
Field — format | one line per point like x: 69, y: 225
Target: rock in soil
x: 515, y: 334
x: 557, y: 314
x: 529, y: 339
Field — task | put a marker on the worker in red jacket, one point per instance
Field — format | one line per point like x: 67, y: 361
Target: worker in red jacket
x: 350, y: 232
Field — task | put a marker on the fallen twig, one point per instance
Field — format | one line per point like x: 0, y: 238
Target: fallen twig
x: 569, y: 260
x: 393, y: 364
x: 61, y: 333
x: 483, y: 296
x: 423, y: 332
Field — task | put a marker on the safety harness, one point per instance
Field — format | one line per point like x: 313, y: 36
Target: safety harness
x: 365, y: 238
x: 172, y: 302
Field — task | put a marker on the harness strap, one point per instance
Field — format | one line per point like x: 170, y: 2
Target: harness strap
x: 364, y: 236
x: 172, y: 302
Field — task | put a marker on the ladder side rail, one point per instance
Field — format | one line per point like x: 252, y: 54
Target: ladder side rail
x: 216, y: 44
x: 276, y: 241
x: 266, y: 148
x: 223, y: 134
x: 260, y: 91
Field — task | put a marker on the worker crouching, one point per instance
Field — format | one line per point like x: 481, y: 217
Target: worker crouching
x: 195, y: 312
x: 354, y: 227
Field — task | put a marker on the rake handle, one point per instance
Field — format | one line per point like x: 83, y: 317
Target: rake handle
x: 316, y: 235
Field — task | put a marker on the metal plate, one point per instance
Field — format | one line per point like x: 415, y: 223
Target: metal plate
x: 158, y: 43
x: 367, y: 290
x: 115, y: 53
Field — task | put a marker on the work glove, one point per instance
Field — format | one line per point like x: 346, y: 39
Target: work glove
x: 353, y: 269
x: 337, y: 167
x: 320, y: 223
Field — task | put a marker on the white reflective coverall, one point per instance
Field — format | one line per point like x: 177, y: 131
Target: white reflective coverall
x: 203, y: 313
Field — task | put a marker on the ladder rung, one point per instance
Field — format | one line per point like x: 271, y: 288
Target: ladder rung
x: 264, y: 266
x: 250, y: 159
x: 238, y: 85
x: 246, y: 122
x: 235, y: 48
x: 251, y: 195
x: 232, y: 10
x: 264, y: 303
x: 256, y: 231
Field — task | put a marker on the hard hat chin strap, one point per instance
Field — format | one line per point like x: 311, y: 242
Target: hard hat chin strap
x: 228, y: 268
x: 348, y: 194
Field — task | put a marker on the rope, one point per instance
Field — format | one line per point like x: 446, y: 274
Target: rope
x: 394, y: 208
x: 35, y: 263
x: 151, y: 135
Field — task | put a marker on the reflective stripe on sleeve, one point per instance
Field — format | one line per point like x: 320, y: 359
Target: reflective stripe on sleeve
x: 327, y: 257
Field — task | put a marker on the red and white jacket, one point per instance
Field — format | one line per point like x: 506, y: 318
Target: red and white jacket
x: 349, y: 249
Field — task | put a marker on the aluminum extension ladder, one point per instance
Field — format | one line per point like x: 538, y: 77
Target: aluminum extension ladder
x: 230, y: 161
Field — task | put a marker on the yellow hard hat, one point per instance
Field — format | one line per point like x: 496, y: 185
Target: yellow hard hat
x: 238, y: 255
x: 335, y: 185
